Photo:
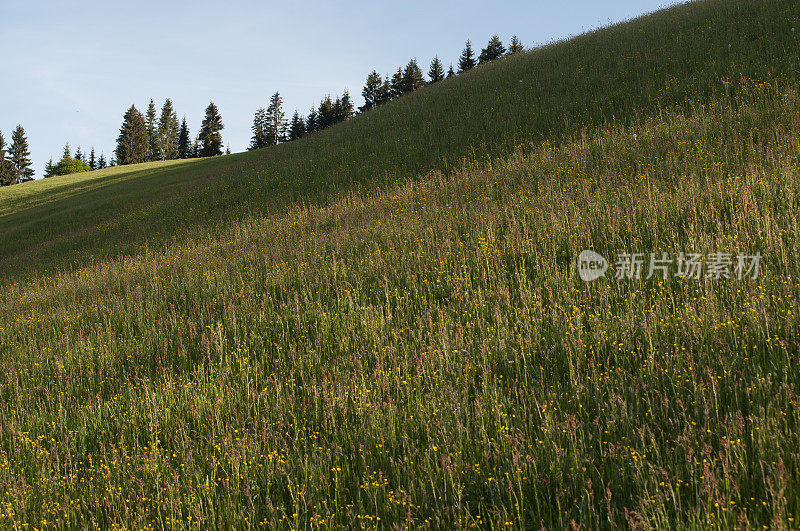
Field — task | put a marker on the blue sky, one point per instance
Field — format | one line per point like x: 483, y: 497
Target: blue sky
x: 71, y: 69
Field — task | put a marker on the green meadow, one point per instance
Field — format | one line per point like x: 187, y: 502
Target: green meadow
x: 381, y: 325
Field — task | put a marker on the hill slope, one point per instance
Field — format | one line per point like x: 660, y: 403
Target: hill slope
x: 548, y: 94
x: 422, y: 353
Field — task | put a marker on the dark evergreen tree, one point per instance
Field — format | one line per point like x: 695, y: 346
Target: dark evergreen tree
x: 372, y: 90
x: 397, y: 84
x: 79, y: 154
x: 92, y: 160
x: 412, y: 78
x: 196, y: 148
x: 346, y: 108
x: 228, y: 150
x: 259, y: 130
x: 493, y: 51
x: 385, y: 94
x: 133, y: 144
x: 312, y: 121
x: 325, y: 114
x: 168, y: 132
x: 515, y: 46
x: 210, y: 136
x: 101, y: 162
x: 451, y: 72
x: 275, y: 120
x: 50, y: 169
x: 20, y: 156
x: 7, y: 174
x: 184, y: 141
x: 436, y: 72
x: 467, y: 59
x: 297, y: 128
x: 152, y: 133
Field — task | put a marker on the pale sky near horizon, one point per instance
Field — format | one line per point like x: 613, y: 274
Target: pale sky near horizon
x: 70, y: 70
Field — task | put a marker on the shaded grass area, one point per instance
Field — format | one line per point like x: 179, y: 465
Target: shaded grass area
x: 425, y: 355
x: 609, y: 76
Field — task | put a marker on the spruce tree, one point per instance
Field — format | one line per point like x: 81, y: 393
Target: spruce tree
x: 297, y: 129
x: 346, y: 108
x: 275, y: 120
x: 371, y: 92
x: 50, y: 169
x: 467, y: 59
x: 184, y: 141
x: 133, y: 144
x: 210, y: 136
x: 101, y: 162
x: 516, y: 46
x: 493, y: 51
x: 92, y: 160
x: 311, y: 121
x: 79, y: 154
x: 397, y: 84
x: 6, y: 168
x: 20, y: 156
x: 325, y: 114
x: 436, y: 72
x: 68, y: 165
x: 152, y: 133
x: 385, y: 94
x: 412, y: 78
x: 259, y: 129
x: 168, y: 132
x: 451, y: 72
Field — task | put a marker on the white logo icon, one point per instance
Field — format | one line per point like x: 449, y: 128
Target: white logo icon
x: 591, y: 266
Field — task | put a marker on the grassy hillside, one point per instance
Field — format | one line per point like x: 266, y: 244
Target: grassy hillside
x: 603, y: 77
x: 408, y: 343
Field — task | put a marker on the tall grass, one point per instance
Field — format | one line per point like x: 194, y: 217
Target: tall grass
x: 606, y: 77
x: 423, y: 354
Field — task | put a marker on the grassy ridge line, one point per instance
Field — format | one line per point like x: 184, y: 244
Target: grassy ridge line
x: 426, y: 355
x: 550, y: 93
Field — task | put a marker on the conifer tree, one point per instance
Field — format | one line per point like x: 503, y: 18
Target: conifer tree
x: 101, y: 162
x: 228, y: 149
x: 412, y: 77
x: 397, y: 84
x: 297, y: 129
x: 210, y: 136
x: 345, y: 107
x: 467, y: 59
x: 79, y: 154
x: 152, y: 132
x: 493, y: 51
x: 436, y: 72
x: 92, y: 160
x: 68, y: 165
x: 20, y: 156
x: 50, y: 169
x: 385, y: 94
x: 259, y: 130
x: 311, y: 121
x: 275, y: 120
x: 168, y: 132
x: 325, y: 114
x: 184, y: 141
x: 371, y: 92
x: 196, y: 148
x: 515, y: 46
x: 451, y: 72
x: 6, y: 168
x: 133, y: 144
